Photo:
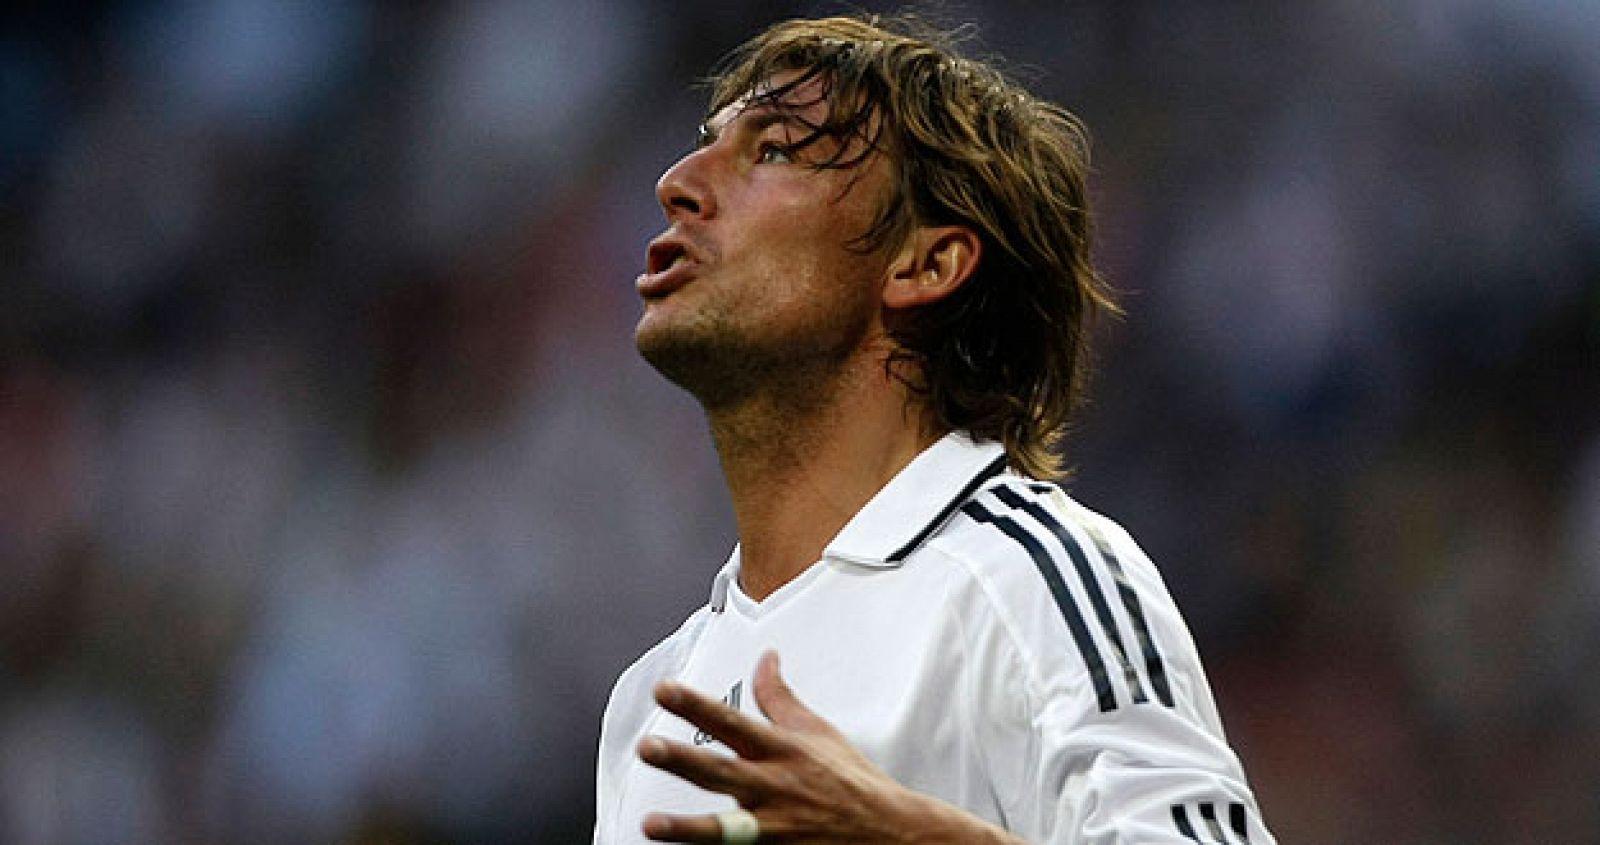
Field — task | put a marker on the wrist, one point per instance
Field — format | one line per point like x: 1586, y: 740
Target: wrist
x: 919, y: 819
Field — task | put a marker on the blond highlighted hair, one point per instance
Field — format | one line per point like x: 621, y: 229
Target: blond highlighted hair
x: 1005, y: 356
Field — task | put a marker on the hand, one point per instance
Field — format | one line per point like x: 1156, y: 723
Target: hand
x: 803, y: 780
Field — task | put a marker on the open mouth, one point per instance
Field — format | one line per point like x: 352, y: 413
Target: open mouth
x: 664, y: 256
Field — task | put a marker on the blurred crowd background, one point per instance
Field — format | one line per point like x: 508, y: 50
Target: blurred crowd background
x: 333, y: 496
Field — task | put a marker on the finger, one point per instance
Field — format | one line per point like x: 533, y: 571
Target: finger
x: 661, y: 827
x: 708, y: 770
x: 778, y: 701
x: 746, y: 736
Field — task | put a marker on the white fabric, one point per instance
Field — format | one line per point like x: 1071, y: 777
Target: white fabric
x: 739, y: 827
x: 956, y: 668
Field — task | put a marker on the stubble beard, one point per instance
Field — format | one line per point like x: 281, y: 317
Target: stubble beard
x: 727, y: 369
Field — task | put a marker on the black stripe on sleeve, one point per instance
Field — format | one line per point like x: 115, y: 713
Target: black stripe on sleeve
x: 1154, y: 666
x: 1237, y: 821
x: 993, y: 469
x: 1063, y: 597
x: 1180, y: 820
x: 1208, y: 811
x: 1091, y: 584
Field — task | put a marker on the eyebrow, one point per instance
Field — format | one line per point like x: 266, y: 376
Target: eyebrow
x: 759, y: 118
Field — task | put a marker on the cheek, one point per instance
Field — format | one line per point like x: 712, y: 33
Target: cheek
x: 800, y: 246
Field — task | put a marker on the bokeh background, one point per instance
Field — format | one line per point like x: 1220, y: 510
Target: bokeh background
x: 333, y: 496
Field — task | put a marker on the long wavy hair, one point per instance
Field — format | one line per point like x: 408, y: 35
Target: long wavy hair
x: 1005, y: 356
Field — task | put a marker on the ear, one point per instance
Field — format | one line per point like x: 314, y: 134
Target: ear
x: 933, y: 263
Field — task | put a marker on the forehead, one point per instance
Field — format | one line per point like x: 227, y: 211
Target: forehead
x: 808, y: 100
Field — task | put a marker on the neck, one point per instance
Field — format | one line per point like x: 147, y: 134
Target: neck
x: 797, y: 473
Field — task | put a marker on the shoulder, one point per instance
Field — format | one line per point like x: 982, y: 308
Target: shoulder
x: 628, y: 711
x: 1087, y: 695
x: 1081, y: 604
x: 1025, y: 538
x: 631, y: 699
x: 1007, y: 516
x: 665, y: 657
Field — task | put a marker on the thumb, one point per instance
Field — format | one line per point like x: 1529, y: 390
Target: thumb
x: 777, y: 700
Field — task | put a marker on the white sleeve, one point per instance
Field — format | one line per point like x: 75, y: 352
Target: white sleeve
x: 1087, y: 692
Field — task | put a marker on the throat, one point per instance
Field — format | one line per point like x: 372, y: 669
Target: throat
x: 798, y: 474
x: 788, y: 500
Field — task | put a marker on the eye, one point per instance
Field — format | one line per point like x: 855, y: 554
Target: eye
x: 774, y: 153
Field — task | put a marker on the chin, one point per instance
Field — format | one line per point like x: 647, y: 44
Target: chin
x: 655, y: 331
x: 707, y: 366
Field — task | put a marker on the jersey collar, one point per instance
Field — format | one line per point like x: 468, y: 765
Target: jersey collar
x: 917, y: 501
x: 905, y: 513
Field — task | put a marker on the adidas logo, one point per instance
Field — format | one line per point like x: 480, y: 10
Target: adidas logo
x: 732, y: 700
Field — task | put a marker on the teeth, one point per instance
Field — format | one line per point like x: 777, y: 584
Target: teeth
x: 677, y: 259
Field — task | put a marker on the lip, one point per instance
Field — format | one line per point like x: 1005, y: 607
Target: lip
x: 671, y: 261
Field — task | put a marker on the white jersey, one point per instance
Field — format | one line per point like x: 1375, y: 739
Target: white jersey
x: 982, y: 638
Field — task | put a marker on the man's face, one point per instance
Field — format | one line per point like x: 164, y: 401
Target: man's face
x: 754, y: 283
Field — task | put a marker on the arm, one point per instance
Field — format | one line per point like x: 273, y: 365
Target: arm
x: 799, y: 776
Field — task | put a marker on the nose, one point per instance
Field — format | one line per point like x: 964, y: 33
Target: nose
x: 683, y: 188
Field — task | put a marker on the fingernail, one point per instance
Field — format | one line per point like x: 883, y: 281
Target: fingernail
x: 650, y: 747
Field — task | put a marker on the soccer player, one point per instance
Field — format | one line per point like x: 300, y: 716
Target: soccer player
x: 876, y: 279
